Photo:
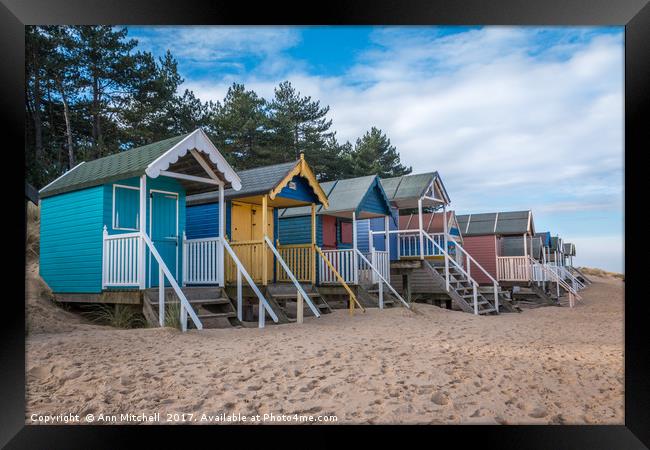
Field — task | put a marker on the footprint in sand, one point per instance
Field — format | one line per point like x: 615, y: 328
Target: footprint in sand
x: 538, y: 412
x: 440, y: 398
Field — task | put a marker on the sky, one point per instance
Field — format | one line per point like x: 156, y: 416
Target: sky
x: 513, y: 118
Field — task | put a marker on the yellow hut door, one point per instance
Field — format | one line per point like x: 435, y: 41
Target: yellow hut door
x: 256, y: 226
x: 246, y: 230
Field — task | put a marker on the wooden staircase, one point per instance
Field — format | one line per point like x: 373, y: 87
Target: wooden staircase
x: 211, y: 304
x: 368, y: 296
x: 460, y: 289
x: 579, y: 275
x: 533, y: 294
x: 280, y: 294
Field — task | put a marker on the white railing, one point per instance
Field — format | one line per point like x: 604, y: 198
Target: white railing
x: 382, y: 281
x: 408, y: 243
x: 344, y: 263
x: 121, y: 259
x: 469, y: 259
x: 241, y: 271
x: 292, y: 277
x: 513, y: 268
x: 459, y: 268
x: 201, y: 261
x: 566, y: 275
x: 554, y: 277
x: 163, y: 271
x: 381, y: 261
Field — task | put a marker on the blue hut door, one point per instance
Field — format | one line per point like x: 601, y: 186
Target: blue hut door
x: 164, y: 233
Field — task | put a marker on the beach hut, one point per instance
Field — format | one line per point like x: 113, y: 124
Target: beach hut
x: 569, y: 251
x: 251, y: 229
x: 428, y: 261
x: 112, y: 228
x: 346, y: 257
x: 491, y: 238
x: 506, y: 245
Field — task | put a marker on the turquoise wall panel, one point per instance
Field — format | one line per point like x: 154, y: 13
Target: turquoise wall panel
x: 71, y: 241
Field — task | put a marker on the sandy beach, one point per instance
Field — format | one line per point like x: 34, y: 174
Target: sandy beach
x: 546, y: 365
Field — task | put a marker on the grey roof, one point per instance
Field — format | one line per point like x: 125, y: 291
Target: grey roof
x: 569, y: 249
x: 497, y: 223
x: 125, y: 164
x: 254, y: 182
x: 344, y: 196
x: 411, y: 186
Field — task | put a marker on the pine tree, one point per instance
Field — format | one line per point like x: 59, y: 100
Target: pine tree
x: 239, y: 127
x: 297, y: 124
x: 374, y: 154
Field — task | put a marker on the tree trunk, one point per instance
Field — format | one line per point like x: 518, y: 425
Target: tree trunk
x: 68, y: 129
x: 97, y: 131
x: 36, y: 113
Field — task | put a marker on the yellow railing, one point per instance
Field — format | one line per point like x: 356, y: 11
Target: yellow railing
x: 299, y: 258
x: 353, y: 298
x: 251, y: 254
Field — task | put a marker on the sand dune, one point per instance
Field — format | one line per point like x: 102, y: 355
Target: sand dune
x: 546, y: 365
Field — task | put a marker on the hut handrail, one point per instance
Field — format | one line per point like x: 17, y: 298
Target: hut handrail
x: 264, y: 305
x: 186, y: 307
x: 381, y: 277
x: 339, y: 278
x: 558, y: 280
x: 470, y: 259
x: 460, y: 268
x: 292, y: 276
x: 562, y: 270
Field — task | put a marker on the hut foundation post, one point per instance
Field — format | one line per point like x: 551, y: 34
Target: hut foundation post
x: 313, y: 244
x: 264, y: 232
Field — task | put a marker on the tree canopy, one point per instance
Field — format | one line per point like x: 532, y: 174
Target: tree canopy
x: 90, y: 92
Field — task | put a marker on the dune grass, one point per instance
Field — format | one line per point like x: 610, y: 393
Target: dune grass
x: 32, y: 237
x: 118, y: 316
x: 601, y: 273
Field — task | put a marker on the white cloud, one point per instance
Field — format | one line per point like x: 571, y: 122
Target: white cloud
x: 508, y: 118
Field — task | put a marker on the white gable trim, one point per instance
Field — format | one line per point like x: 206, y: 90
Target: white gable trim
x: 59, y: 177
x: 196, y: 140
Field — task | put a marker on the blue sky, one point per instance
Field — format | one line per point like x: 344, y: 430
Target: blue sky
x: 511, y: 117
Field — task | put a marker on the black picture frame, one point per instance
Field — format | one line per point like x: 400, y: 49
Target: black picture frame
x: 633, y: 14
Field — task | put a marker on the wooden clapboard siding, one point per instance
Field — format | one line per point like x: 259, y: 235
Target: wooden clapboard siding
x: 302, y: 192
x: 161, y: 184
x: 363, y: 236
x: 374, y: 201
x: 328, y: 232
x: 377, y: 224
x: 203, y: 220
x: 484, y: 250
x: 297, y: 230
x: 71, y: 241
x: 72, y: 224
x: 421, y: 282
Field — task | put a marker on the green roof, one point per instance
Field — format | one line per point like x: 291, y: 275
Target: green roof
x: 125, y: 164
x: 410, y: 187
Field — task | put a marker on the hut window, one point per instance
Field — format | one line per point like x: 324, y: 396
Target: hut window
x: 126, y: 207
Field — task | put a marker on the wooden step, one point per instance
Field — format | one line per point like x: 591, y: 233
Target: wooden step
x: 294, y: 296
x: 215, y: 315
x: 486, y: 311
x: 196, y: 301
